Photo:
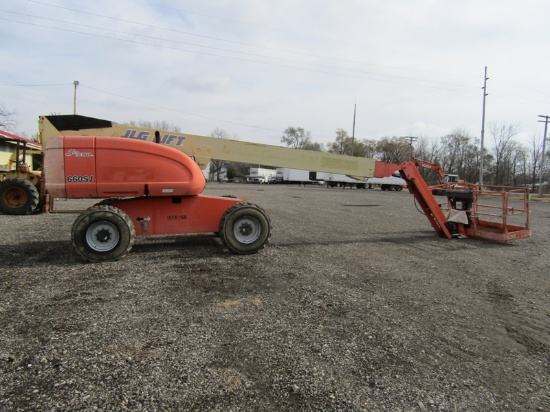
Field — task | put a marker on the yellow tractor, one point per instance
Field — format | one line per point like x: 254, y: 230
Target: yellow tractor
x: 19, y: 180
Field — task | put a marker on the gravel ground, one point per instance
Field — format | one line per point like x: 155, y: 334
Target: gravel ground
x: 355, y: 305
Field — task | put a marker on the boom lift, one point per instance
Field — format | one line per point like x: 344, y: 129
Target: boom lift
x: 155, y: 189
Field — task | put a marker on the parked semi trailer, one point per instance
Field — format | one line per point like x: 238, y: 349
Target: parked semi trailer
x: 297, y: 176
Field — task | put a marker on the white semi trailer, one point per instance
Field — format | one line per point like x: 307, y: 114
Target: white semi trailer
x: 296, y: 176
x: 261, y: 175
x: 288, y: 175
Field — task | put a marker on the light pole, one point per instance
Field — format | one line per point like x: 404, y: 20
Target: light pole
x: 353, y: 130
x: 76, y: 83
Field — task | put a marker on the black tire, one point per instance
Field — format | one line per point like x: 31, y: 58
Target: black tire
x: 18, y: 197
x: 398, y: 188
x: 103, y: 233
x: 245, y: 228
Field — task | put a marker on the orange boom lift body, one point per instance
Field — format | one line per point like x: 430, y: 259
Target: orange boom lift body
x: 149, y: 189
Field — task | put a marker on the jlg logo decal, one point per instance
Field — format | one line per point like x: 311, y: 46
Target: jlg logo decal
x: 167, y: 139
x: 80, y: 179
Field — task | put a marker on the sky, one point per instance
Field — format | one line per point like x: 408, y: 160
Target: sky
x: 253, y: 68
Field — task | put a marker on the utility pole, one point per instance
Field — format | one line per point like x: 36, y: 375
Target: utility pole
x: 76, y: 83
x: 543, y: 151
x: 411, y: 140
x: 482, y: 154
x: 353, y: 130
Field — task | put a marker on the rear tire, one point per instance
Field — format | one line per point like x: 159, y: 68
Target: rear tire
x: 245, y: 228
x: 103, y: 233
x: 18, y: 197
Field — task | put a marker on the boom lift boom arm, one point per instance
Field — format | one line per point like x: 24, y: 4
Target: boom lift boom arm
x: 202, y: 148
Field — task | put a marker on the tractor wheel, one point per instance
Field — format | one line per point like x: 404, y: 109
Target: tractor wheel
x: 18, y: 197
x: 245, y: 228
x: 103, y: 233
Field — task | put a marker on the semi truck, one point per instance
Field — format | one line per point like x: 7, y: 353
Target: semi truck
x: 149, y: 182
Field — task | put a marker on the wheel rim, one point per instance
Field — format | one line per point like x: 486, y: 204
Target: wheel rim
x: 15, y: 197
x: 102, y: 236
x: 247, y: 230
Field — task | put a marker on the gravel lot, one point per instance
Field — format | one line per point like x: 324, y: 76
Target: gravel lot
x: 355, y: 305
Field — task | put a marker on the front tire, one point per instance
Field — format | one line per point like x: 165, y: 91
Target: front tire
x: 103, y: 233
x: 18, y: 197
x: 245, y: 228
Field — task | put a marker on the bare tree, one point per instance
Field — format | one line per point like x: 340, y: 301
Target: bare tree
x: 218, y: 167
x: 7, y: 119
x: 343, y: 143
x: 299, y: 138
x: 164, y: 125
x: 367, y: 148
x: 311, y: 145
x: 535, y: 158
x: 503, y: 135
x: 157, y: 125
x: 294, y: 137
x: 394, y: 150
x: 426, y: 149
x: 517, y: 156
x: 460, y: 154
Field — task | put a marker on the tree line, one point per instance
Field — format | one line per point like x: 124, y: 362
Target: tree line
x: 506, y: 161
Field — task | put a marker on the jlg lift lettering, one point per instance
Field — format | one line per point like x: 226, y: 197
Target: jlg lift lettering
x: 80, y: 179
x: 167, y: 139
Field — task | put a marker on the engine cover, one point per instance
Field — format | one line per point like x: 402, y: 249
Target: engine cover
x: 102, y: 167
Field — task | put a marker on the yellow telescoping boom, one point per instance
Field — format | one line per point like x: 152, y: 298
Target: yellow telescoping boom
x: 203, y: 148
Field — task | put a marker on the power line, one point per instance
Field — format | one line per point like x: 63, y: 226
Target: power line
x: 369, y: 75
x: 34, y: 85
x: 177, y: 110
x: 142, y: 24
x: 277, y: 29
